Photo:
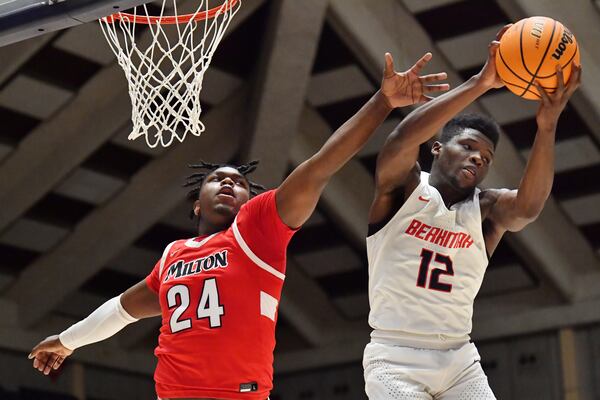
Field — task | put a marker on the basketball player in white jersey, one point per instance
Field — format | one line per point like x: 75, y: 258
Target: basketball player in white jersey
x: 431, y: 234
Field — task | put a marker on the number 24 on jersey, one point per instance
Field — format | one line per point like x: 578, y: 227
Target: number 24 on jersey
x: 178, y: 297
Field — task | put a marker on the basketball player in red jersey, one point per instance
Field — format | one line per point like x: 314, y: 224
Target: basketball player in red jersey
x: 218, y: 293
x: 431, y: 235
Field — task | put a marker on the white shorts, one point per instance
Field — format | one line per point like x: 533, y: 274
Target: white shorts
x: 397, y: 372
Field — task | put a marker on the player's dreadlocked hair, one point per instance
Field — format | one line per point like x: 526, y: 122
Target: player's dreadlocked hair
x: 196, y: 179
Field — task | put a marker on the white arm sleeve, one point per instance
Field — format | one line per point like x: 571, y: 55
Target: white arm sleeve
x: 107, y: 320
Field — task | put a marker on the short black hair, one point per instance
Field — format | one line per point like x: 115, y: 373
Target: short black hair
x: 197, y: 179
x: 481, y: 123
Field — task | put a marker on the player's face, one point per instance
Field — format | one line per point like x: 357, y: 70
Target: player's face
x: 222, y: 194
x: 465, y: 159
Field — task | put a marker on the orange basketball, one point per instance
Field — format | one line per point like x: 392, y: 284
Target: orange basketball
x: 530, y: 50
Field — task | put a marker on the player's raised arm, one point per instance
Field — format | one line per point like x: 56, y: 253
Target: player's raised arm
x: 135, y: 303
x: 298, y: 195
x: 397, y: 161
x: 514, y: 209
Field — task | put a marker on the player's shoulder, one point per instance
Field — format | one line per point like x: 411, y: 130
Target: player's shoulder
x: 178, y: 243
x: 261, y: 198
x: 259, y: 206
x: 175, y: 247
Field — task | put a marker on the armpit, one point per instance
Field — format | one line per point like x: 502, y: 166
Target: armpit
x: 488, y: 199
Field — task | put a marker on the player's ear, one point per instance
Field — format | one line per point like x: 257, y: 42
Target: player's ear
x: 197, y: 208
x: 436, y: 148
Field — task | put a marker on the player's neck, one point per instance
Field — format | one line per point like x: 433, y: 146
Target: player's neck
x: 450, y: 194
x: 207, y: 228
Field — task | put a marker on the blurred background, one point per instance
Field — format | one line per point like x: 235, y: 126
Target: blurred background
x: 85, y: 213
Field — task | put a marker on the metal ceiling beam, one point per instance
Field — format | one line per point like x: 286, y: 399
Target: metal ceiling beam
x: 514, y: 302
x: 16, y: 55
x: 307, y: 308
x: 280, y: 84
x: 495, y: 326
x: 278, y: 96
x: 41, y: 159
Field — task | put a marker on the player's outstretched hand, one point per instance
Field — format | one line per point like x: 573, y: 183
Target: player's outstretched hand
x: 406, y: 88
x: 49, y: 354
x: 488, y: 75
x: 552, y: 104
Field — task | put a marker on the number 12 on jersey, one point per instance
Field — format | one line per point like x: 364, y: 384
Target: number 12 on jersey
x: 208, y: 306
x: 434, y: 279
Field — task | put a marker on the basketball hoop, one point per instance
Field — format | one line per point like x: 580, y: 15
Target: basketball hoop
x: 165, y: 76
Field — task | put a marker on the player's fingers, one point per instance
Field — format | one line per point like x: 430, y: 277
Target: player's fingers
x: 425, y: 99
x: 51, y: 360
x: 39, y: 361
x: 388, y: 71
x: 433, y: 77
x: 574, y: 80
x: 436, y: 88
x: 35, y: 351
x: 493, y: 47
x: 579, y: 70
x: 421, y: 63
x: 45, y: 365
x: 542, y: 92
x: 53, y: 363
x: 560, y: 78
x: 58, y: 363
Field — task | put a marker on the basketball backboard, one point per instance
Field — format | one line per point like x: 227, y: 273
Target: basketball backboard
x: 23, y: 19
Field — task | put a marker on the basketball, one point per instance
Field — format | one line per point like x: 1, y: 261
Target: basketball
x: 530, y: 50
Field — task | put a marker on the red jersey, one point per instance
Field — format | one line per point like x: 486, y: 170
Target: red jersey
x: 219, y: 296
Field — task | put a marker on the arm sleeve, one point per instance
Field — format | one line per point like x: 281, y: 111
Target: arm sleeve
x: 263, y: 230
x: 104, y: 322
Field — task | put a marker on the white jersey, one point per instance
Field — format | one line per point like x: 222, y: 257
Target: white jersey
x: 426, y: 266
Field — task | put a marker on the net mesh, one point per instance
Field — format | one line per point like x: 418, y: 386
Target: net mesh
x: 164, y: 64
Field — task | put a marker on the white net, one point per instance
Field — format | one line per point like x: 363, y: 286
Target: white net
x: 165, y: 65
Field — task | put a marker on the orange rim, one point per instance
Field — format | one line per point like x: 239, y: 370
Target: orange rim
x: 171, y: 20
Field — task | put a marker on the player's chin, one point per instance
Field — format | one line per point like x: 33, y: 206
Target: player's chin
x: 465, y: 182
x: 225, y: 209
